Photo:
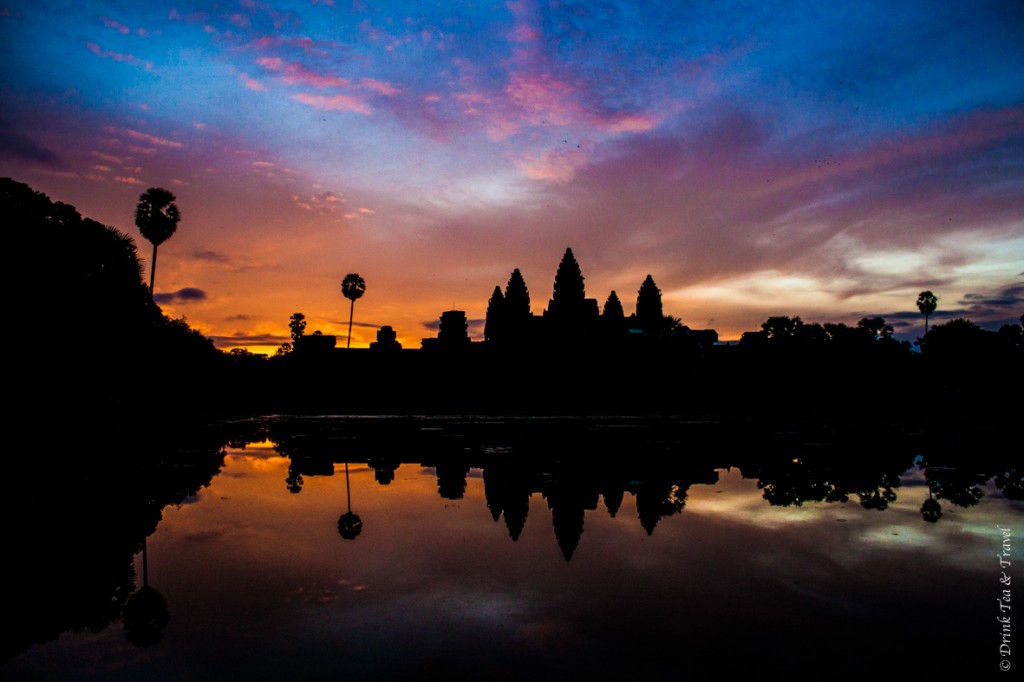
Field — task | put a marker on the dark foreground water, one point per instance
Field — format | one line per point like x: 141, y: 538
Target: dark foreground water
x: 352, y: 549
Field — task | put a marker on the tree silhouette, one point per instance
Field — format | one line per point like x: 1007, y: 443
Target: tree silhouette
x: 781, y: 326
x: 297, y: 325
x: 927, y: 302
x: 352, y: 287
x: 876, y: 326
x: 156, y: 216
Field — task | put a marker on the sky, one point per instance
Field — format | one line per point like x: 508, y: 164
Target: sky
x: 826, y: 160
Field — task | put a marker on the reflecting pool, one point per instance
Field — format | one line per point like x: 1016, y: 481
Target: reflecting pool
x: 345, y: 548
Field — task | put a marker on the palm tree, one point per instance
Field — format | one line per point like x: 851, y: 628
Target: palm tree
x: 352, y: 287
x: 927, y: 302
x: 157, y: 218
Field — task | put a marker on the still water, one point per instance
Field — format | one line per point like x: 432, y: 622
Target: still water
x: 528, y: 549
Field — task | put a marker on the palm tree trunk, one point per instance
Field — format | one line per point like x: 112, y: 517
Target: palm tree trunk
x: 351, y: 309
x: 152, y: 272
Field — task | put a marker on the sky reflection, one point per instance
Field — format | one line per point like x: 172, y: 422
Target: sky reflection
x: 259, y: 584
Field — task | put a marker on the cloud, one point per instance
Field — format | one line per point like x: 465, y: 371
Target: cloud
x: 109, y: 158
x: 324, y: 203
x: 182, y: 296
x: 334, y: 103
x: 308, y: 45
x: 151, y: 139
x: 475, y: 326
x: 15, y: 145
x: 239, y: 318
x: 240, y: 339
x: 128, y: 180
x: 295, y: 73
x: 118, y: 57
x: 1001, y: 306
x: 251, y: 83
x: 211, y: 257
x: 110, y: 23
x: 380, y: 87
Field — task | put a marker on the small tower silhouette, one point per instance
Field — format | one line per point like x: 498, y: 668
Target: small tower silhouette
x: 453, y: 330
x: 386, y: 340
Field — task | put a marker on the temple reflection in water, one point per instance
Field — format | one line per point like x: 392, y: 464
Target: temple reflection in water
x: 548, y: 547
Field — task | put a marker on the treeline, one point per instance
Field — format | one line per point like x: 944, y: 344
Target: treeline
x: 99, y: 350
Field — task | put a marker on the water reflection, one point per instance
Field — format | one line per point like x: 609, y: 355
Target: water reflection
x: 514, y: 548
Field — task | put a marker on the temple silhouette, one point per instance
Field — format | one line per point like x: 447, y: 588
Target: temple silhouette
x: 571, y: 320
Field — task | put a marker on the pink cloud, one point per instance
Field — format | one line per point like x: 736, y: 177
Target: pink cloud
x: 57, y: 174
x: 252, y: 83
x: 324, y: 203
x: 295, y: 73
x: 334, y: 103
x: 307, y: 44
x: 118, y: 57
x: 379, y: 87
x: 119, y: 27
x: 191, y: 17
x: 151, y: 139
x: 109, y: 158
x: 128, y: 180
x: 555, y: 166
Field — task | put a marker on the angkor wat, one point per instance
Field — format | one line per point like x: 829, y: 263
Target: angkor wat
x: 571, y: 319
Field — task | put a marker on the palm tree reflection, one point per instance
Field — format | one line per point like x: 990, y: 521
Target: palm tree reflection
x: 349, y: 524
x: 145, y: 613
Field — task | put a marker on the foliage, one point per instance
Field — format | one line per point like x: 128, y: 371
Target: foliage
x: 353, y: 287
x: 927, y: 303
x: 156, y: 215
x: 297, y: 325
x: 876, y: 326
x: 781, y: 327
